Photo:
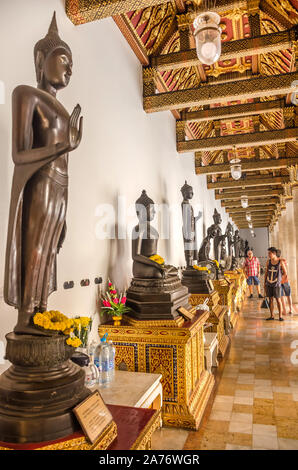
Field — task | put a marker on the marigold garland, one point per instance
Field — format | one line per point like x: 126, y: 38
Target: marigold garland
x: 56, y: 321
x: 158, y: 259
x: 201, y: 268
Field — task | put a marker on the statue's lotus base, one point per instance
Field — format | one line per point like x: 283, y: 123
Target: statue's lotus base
x: 40, y: 389
x: 197, y: 282
x: 156, y: 299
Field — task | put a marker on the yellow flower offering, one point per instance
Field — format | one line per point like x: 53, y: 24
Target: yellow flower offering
x: 216, y: 262
x: 74, y: 342
x: 201, y: 268
x: 53, y: 320
x: 158, y: 259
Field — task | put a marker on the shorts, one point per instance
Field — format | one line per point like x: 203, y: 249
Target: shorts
x: 285, y: 289
x: 253, y: 280
x: 273, y: 291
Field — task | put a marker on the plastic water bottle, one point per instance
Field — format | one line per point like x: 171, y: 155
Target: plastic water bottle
x: 105, y: 361
x: 112, y: 353
x: 98, y: 362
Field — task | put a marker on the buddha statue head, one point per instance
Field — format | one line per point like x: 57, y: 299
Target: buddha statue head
x: 217, y: 217
x: 53, y: 59
x: 187, y: 191
x: 211, y: 231
x: 145, y: 208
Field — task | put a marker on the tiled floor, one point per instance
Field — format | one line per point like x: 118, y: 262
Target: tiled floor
x: 256, y: 400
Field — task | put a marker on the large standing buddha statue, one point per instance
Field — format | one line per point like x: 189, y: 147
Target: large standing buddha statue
x: 43, y: 135
x: 42, y: 386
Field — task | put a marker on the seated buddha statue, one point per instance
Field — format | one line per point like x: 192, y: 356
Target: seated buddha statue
x: 146, y: 263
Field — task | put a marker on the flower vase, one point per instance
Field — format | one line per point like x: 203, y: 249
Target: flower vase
x: 117, y: 320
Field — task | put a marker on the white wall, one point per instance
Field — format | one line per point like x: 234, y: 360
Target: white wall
x: 123, y: 151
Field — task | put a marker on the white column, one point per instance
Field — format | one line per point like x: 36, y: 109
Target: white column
x: 295, y: 220
x: 291, y: 249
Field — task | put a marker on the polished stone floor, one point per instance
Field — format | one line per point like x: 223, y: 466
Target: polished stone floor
x: 255, y: 401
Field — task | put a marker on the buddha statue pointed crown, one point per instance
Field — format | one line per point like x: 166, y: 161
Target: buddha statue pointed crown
x: 144, y: 200
x: 186, y: 187
x: 51, y: 41
x: 216, y: 216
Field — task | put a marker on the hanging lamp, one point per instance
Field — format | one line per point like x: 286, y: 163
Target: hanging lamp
x: 207, y: 34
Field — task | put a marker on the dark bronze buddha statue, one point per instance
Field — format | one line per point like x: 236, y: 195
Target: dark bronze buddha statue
x: 144, y: 244
x: 237, y: 244
x: 204, y: 252
x: 219, y: 239
x: 42, y: 386
x: 156, y: 290
x: 189, y: 225
x: 43, y: 136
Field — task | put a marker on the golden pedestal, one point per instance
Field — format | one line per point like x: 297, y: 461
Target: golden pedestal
x: 175, y: 349
x: 75, y: 442
x: 217, y: 317
x: 239, y: 279
x: 225, y: 290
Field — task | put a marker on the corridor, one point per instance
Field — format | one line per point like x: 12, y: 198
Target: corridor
x: 255, y: 402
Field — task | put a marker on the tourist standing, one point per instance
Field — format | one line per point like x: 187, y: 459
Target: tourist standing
x: 275, y: 271
x: 285, y: 289
x: 251, y: 269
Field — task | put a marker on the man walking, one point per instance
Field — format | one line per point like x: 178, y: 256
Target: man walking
x: 275, y: 271
x: 285, y: 288
x: 252, y: 272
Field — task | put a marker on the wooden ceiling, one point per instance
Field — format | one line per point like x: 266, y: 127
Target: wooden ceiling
x: 243, y: 106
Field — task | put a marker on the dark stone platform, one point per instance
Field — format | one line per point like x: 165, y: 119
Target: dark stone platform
x: 39, y: 391
x: 156, y: 299
x: 197, y: 282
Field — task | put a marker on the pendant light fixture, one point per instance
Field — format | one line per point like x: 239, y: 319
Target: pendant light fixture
x: 207, y: 34
x: 248, y: 216
x: 244, y: 202
x: 235, y: 163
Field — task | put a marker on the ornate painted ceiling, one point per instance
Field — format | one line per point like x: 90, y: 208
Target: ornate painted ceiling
x: 242, y: 106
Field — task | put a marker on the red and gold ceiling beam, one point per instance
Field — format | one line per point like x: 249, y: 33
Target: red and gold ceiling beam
x: 254, y: 87
x: 251, y: 193
x: 248, y: 165
x: 259, y: 180
x: 252, y: 139
x: 84, y: 11
x: 236, y: 111
x: 252, y: 203
x: 264, y: 44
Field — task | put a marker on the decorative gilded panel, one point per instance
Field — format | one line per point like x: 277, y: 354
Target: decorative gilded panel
x: 126, y: 353
x: 161, y: 359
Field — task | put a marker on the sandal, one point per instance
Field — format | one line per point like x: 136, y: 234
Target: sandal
x: 281, y: 319
x: 270, y: 318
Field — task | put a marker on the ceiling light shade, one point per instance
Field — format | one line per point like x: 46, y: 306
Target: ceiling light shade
x: 250, y: 226
x: 244, y: 202
x: 236, y: 171
x: 207, y: 36
x: 248, y: 216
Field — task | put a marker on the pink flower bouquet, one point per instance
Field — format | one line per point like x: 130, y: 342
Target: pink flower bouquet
x: 113, y: 303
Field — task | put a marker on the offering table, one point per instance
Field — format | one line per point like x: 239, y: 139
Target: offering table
x: 175, y: 349
x: 135, y: 427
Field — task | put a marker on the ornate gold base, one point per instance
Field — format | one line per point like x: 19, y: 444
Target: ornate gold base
x: 217, y: 317
x: 175, y: 350
x: 239, y: 280
x: 79, y: 443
